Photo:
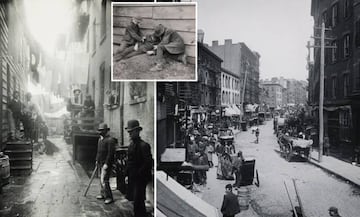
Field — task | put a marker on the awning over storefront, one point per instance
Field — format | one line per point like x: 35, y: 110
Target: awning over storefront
x: 251, y: 107
x: 236, y: 109
x: 174, y: 200
x: 232, y: 110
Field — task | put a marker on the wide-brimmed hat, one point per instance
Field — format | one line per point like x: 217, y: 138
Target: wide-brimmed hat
x: 133, y: 125
x: 103, y: 126
x: 159, y: 30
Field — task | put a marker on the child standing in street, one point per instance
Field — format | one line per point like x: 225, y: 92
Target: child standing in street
x: 257, y: 133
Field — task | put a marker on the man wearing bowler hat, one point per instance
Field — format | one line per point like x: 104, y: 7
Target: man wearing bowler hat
x: 139, y: 168
x: 104, y: 161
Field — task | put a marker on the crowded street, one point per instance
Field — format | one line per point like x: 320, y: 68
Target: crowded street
x: 317, y: 189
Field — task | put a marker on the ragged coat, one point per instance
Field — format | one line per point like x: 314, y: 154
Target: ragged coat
x: 172, y: 41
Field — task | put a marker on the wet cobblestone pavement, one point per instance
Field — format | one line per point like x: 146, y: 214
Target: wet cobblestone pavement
x: 55, y: 189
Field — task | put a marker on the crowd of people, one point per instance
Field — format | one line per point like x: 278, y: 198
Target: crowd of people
x: 203, y: 143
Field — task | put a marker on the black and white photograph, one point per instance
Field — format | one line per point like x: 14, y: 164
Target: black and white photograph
x: 271, y: 126
x: 154, y: 41
x: 73, y: 143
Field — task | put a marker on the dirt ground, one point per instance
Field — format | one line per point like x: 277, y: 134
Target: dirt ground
x: 137, y: 67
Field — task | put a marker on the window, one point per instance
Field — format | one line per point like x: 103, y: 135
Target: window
x: 346, y: 84
x: 103, y: 19
x: 334, y: 51
x: 357, y: 79
x: 333, y: 87
x: 334, y: 14
x: 137, y: 92
x: 346, y: 45
x: 94, y: 36
x: 347, y: 8
x: 357, y: 33
x: 326, y: 88
x: 324, y: 18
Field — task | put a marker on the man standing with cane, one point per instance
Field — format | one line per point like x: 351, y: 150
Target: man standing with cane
x: 104, y: 161
x: 140, y: 163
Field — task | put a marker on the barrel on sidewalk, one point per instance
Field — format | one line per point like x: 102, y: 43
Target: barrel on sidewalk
x: 4, y: 169
x: 244, y: 197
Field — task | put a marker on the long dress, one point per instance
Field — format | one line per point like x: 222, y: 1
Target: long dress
x: 224, y: 170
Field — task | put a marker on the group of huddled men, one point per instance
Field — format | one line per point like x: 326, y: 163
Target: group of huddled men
x: 25, y: 117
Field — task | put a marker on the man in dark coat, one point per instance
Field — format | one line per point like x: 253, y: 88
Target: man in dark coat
x: 237, y: 164
x: 15, y: 107
x: 139, y: 164
x: 131, y: 37
x: 104, y: 161
x: 171, y: 45
x: 230, y: 206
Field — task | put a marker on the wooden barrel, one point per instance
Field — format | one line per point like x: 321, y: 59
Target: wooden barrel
x: 4, y: 169
x: 244, y: 197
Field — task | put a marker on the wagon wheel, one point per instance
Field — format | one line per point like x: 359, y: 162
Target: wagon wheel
x: 288, y: 152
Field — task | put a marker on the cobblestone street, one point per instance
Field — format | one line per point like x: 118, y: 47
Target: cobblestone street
x: 318, y: 189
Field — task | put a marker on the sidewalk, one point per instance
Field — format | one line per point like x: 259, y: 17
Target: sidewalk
x: 56, y: 187
x: 340, y: 168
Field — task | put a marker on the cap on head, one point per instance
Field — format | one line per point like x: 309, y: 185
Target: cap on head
x: 133, y: 125
x: 103, y: 126
x: 137, y: 18
x: 159, y: 30
x: 333, y: 209
x: 228, y: 186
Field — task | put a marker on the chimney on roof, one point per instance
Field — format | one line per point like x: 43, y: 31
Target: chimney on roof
x: 201, y: 35
x: 215, y: 43
x: 228, y: 41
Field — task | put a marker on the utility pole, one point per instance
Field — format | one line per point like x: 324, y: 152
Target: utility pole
x: 321, y: 92
x: 243, y: 92
x: 321, y: 97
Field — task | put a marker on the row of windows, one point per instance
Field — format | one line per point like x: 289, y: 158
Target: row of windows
x: 344, y: 46
x: 230, y: 82
x: 331, y: 86
x: 230, y: 98
x: 331, y: 17
x: 102, y: 29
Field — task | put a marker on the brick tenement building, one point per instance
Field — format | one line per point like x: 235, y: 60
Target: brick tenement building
x: 342, y: 73
x: 238, y: 58
x: 205, y: 93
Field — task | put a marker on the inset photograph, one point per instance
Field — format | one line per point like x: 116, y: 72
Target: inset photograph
x: 154, y: 41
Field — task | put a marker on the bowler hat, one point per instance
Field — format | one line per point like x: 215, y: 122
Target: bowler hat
x: 103, y: 126
x: 159, y: 30
x: 133, y: 125
x: 228, y: 186
x: 333, y: 208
